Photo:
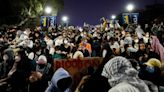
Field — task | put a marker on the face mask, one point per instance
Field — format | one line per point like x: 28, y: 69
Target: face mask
x: 5, y: 57
x: 136, y: 41
x: 108, y: 37
x: 17, y: 58
x: 41, y: 65
x: 65, y: 41
x: 104, y: 53
x: 147, y: 35
x: 150, y: 41
x: 139, y: 26
x: 84, y: 42
x: 38, y: 52
x: 150, y: 69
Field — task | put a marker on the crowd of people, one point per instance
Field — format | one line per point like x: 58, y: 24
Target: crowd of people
x: 133, y: 58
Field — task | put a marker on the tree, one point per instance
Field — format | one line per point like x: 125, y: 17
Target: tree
x: 24, y: 10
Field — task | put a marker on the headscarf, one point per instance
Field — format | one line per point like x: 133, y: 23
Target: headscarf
x: 119, y: 70
x: 157, y: 47
x: 58, y: 75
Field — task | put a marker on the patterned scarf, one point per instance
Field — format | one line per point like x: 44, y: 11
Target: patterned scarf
x: 119, y: 69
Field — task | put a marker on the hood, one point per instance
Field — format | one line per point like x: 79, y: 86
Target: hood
x: 58, y: 75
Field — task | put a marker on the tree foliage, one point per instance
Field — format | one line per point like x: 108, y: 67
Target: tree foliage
x: 19, y: 10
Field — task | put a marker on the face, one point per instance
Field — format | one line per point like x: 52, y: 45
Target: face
x: 5, y: 57
x: 147, y: 35
x: 142, y: 46
x: 17, y: 58
x: 36, y: 35
x: 136, y: 40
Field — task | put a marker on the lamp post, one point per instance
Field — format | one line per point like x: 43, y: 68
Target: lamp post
x: 48, y: 11
x: 113, y: 18
x: 130, y: 8
x: 65, y: 20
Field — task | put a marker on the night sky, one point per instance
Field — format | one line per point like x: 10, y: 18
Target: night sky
x: 90, y: 11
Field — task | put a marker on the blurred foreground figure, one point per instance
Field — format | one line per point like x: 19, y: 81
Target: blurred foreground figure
x: 122, y: 77
x: 61, y: 81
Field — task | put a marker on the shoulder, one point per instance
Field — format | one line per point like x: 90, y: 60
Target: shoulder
x: 123, y: 87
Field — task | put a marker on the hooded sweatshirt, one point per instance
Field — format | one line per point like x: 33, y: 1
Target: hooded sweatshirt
x: 58, y: 75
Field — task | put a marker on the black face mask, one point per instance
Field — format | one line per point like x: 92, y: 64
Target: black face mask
x: 41, y: 65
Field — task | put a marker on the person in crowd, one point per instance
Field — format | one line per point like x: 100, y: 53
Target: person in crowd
x: 41, y: 76
x: 122, y: 77
x: 96, y: 47
x: 157, y: 47
x: 96, y: 82
x: 126, y: 53
x: 151, y: 71
x: 48, y: 41
x: 84, y: 45
x: 78, y: 54
x: 146, y: 37
x: 7, y: 63
x: 139, y: 32
x: 18, y: 75
x: 60, y: 82
x: 141, y: 54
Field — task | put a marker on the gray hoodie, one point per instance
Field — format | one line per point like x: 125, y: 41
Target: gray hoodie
x: 58, y: 75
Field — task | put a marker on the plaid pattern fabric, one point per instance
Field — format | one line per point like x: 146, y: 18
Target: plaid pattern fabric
x: 115, y: 68
x: 119, y: 69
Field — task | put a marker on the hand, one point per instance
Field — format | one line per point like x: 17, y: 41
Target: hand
x: 35, y: 76
x: 39, y: 75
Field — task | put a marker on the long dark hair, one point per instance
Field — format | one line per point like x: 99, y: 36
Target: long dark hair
x: 22, y: 54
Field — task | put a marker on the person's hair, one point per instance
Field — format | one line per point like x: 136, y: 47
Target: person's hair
x: 22, y: 53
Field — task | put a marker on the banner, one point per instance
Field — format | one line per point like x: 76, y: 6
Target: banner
x: 52, y: 20
x: 43, y: 21
x: 135, y: 17
x: 77, y: 67
x: 47, y: 21
x: 125, y: 18
x: 130, y: 18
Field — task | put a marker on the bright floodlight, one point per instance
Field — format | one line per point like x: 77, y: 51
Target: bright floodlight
x: 130, y: 7
x: 48, y: 10
x: 113, y: 16
x: 64, y: 18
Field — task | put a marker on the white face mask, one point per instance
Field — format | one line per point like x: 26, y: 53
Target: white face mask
x: 5, y: 57
x: 150, y: 41
x: 147, y: 35
x: 65, y: 41
x: 17, y: 58
x: 38, y: 52
x: 108, y: 37
x: 136, y: 41
x: 104, y: 53
x: 139, y: 26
